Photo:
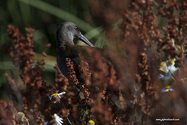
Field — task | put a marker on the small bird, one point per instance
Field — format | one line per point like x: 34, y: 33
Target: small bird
x: 66, y: 33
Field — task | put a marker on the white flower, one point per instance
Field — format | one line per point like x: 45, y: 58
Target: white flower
x: 166, y: 78
x: 168, y: 66
x: 57, y: 119
x: 56, y: 95
x: 167, y: 89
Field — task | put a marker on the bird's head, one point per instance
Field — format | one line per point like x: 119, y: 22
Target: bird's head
x: 67, y: 32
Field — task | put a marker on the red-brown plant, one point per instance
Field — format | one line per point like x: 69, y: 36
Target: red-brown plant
x: 124, y: 91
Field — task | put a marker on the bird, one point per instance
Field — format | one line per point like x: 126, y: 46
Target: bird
x: 66, y: 33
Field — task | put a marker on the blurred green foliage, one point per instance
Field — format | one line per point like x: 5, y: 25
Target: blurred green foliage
x: 44, y: 16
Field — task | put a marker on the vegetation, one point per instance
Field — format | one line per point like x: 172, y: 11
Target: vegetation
x: 145, y: 83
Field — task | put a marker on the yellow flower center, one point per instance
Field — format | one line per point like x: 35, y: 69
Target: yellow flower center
x: 55, y: 94
x: 167, y: 87
x: 53, y: 116
x: 162, y: 65
x: 91, y: 121
x: 171, y: 61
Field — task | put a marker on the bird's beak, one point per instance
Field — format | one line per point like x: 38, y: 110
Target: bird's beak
x: 81, y: 37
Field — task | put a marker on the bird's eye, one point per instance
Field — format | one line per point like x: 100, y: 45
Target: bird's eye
x: 76, y: 28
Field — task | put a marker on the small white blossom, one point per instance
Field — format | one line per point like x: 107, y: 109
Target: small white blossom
x: 167, y: 77
x: 57, y: 119
x: 168, y: 66
x: 167, y: 89
x: 56, y: 95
